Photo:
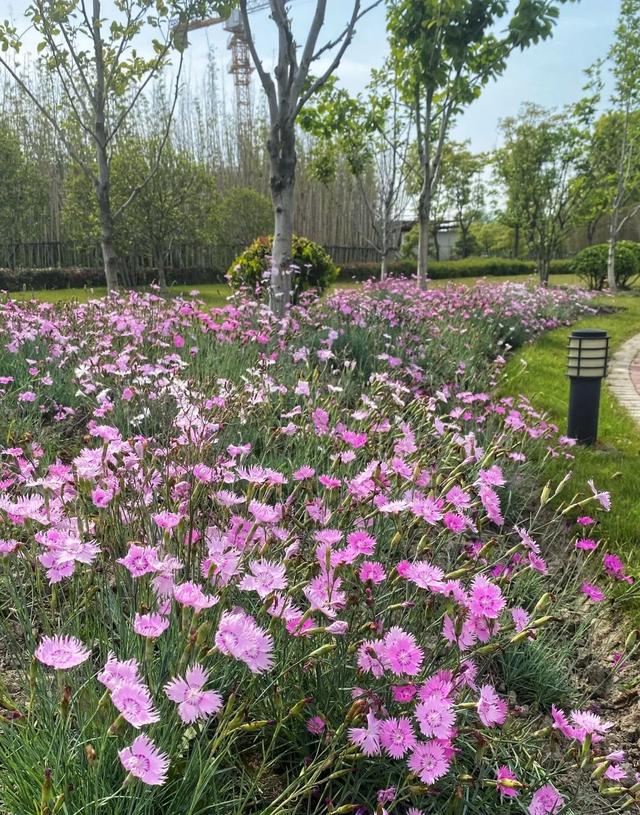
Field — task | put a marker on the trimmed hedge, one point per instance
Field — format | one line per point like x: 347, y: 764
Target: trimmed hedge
x: 79, y: 278
x: 452, y: 269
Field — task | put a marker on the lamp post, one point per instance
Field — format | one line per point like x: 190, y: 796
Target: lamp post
x: 587, y: 366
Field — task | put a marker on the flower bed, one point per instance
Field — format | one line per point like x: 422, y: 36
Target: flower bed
x: 252, y: 566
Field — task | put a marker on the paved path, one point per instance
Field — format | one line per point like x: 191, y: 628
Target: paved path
x: 624, y: 376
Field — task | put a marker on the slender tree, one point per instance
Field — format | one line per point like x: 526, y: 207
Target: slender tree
x: 103, y: 77
x: 542, y: 156
x: 446, y: 51
x: 288, y: 89
x: 371, y: 134
x: 624, y: 57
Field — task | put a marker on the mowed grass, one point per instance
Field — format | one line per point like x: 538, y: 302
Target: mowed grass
x: 538, y: 371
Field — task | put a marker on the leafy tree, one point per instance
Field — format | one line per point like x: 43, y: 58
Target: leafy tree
x: 463, y: 190
x: 371, y: 133
x: 288, y: 89
x: 494, y: 237
x: 542, y: 155
x: 624, y: 57
x: 176, y: 205
x: 445, y: 52
x: 103, y: 76
x: 242, y: 215
x: 23, y: 195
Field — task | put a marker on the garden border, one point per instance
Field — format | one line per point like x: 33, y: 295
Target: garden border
x: 620, y: 381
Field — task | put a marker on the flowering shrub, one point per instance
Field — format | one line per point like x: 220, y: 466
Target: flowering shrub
x: 275, y: 566
x: 312, y: 267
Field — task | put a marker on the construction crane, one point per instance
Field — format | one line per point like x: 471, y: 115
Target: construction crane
x: 240, y: 66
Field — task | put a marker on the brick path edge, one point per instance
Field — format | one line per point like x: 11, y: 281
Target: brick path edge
x: 620, y: 379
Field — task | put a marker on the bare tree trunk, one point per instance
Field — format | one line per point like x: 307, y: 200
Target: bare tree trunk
x: 384, y: 265
x: 436, y: 242
x: 109, y: 256
x: 424, y: 222
x: 543, y: 270
x: 282, y: 149
x: 160, y: 266
x: 611, y: 254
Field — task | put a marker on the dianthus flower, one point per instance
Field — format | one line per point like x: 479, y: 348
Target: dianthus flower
x: 135, y: 705
x: 486, y: 598
x: 144, y: 761
x: 505, y: 789
x: 150, y: 625
x: 61, y: 652
x: 491, y: 708
x: 397, y: 736
x: 428, y: 761
x: 546, y: 801
x: 401, y: 654
x: 435, y: 716
x: 193, y: 702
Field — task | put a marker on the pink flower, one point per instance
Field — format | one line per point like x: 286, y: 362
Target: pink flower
x: 586, y: 544
x: 139, y: 560
x: 520, y: 618
x: 404, y: 693
x: 428, y: 761
x: 263, y: 513
x: 492, y: 477
x: 590, y: 723
x: 193, y: 702
x: 61, y: 652
x: 101, y: 498
x: 546, y: 801
x: 315, y: 725
x: 397, y: 736
x: 27, y: 396
x: 150, y: 625
x: 423, y: 574
x: 190, y: 594
x: 367, y: 738
x: 167, y: 520
x: 486, y: 598
x: 265, y: 577
x: 561, y: 723
x: 144, y: 761
x: 491, y: 708
x: 401, y: 654
x: 585, y: 520
x: 135, y: 704
x: 455, y: 522
x: 435, y: 717
x: 116, y: 673
x: 505, y: 774
x: 373, y: 571
x: 614, y: 567
x: 240, y: 637
x: 603, y: 498
x: 360, y: 543
x: 593, y: 592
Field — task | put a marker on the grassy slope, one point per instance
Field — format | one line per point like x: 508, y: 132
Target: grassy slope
x: 539, y: 371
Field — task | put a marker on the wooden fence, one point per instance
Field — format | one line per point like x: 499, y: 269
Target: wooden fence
x: 65, y: 255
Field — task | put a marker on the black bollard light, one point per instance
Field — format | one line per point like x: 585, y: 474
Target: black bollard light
x: 587, y: 366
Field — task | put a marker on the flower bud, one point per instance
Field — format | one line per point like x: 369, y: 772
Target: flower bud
x: 324, y: 649
x: 630, y: 642
x: 542, y: 604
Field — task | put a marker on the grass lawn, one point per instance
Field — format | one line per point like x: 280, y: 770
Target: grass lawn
x: 538, y: 371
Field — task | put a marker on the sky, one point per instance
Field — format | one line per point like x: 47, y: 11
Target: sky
x: 549, y: 74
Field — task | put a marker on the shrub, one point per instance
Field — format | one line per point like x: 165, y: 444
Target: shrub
x: 314, y: 268
x: 590, y: 264
x: 443, y: 269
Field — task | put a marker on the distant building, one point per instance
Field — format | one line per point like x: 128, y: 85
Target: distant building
x: 446, y: 237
